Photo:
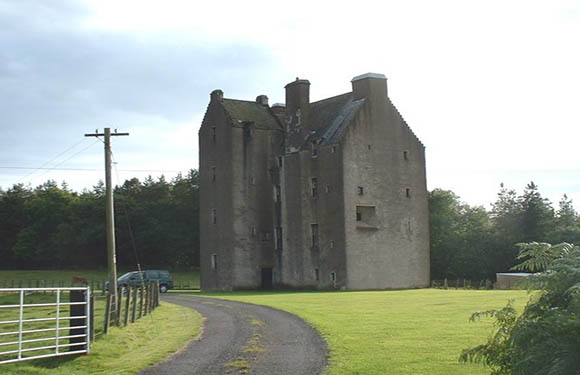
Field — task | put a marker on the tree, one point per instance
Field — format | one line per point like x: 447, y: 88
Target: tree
x: 567, y: 225
x: 545, y: 339
x: 537, y: 215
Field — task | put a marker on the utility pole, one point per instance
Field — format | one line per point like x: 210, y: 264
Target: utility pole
x: 109, y: 212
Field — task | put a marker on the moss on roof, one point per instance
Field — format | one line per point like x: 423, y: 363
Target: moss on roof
x: 242, y: 111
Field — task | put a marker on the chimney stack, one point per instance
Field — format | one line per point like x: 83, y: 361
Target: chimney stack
x: 370, y: 85
x: 217, y: 95
x: 262, y: 100
x: 297, y: 105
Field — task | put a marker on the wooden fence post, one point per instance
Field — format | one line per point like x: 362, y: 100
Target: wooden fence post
x: 127, y: 304
x: 134, y: 289
x: 141, y: 291
x: 92, y: 318
x: 107, y: 313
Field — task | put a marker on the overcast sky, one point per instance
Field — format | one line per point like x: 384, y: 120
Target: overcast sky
x: 492, y: 88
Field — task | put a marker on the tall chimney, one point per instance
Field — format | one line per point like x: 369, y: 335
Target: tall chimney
x: 370, y: 85
x: 297, y: 105
x: 217, y: 95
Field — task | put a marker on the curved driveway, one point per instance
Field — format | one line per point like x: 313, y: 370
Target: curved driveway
x: 241, y: 338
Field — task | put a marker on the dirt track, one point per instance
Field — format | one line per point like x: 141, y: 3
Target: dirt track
x: 240, y: 338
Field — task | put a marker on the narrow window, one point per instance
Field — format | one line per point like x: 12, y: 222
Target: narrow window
x: 406, y: 155
x: 253, y: 231
x: 317, y: 274
x: 409, y: 225
x: 213, y: 174
x: 214, y: 215
x: 314, y: 185
x: 369, y: 147
x: 214, y: 264
x: 360, y: 190
x: 279, y: 238
x: 252, y: 180
x: 213, y: 134
x: 267, y: 236
x: 314, y: 151
x: 280, y: 161
x: 277, y: 193
x: 327, y: 189
x: 408, y: 192
x: 314, y: 232
x: 332, y: 244
x: 333, y: 149
x: 333, y: 276
x: 358, y: 216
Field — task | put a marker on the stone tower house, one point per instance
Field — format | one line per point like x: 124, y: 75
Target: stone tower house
x: 323, y: 195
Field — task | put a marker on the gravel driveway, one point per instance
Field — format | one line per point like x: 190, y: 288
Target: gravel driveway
x: 241, y: 338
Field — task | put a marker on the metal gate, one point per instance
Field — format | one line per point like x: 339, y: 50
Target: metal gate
x: 27, y: 328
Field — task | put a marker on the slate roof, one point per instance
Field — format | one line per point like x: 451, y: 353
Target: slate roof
x: 330, y: 117
x: 241, y: 111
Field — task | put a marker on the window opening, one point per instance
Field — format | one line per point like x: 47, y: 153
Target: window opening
x: 314, y: 233
x: 406, y: 155
x: 327, y: 189
x: 279, y: 238
x: 333, y: 149
x: 277, y: 193
x: 332, y: 244
x: 366, y: 217
x: 408, y: 192
x: 314, y: 151
x: 369, y: 147
x: 280, y: 161
x: 214, y: 262
x: 317, y: 274
x: 314, y: 185
x: 214, y: 215
x: 213, y: 133
x: 213, y: 174
x: 333, y: 276
x: 360, y: 190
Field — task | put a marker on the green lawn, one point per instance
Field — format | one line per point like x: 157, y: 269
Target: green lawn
x: 37, y: 278
x: 392, y: 332
x: 124, y: 350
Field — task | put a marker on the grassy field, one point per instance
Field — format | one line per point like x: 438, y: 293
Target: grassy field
x: 392, y: 332
x: 35, y: 278
x: 121, y: 351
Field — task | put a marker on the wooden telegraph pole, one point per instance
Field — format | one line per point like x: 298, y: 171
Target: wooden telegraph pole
x: 109, y: 212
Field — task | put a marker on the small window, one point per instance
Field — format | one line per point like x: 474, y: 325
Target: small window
x: 214, y: 264
x: 405, y: 155
x: 409, y: 227
x: 369, y: 147
x: 254, y: 231
x: 265, y: 236
x: 327, y: 189
x: 213, y: 174
x: 279, y: 238
x: 314, y: 232
x: 280, y: 161
x: 332, y: 244
x: 252, y: 180
x: 333, y: 149
x: 314, y: 151
x: 213, y: 133
x: 358, y: 216
x: 317, y: 274
x: 277, y: 193
x: 408, y: 193
x: 366, y: 217
x: 360, y: 190
x: 333, y: 276
x: 214, y: 215
x: 314, y: 186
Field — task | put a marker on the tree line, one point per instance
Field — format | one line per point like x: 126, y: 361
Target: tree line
x: 53, y: 227
x: 470, y: 242
x: 157, y: 225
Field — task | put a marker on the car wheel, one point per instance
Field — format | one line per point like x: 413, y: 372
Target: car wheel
x: 163, y: 288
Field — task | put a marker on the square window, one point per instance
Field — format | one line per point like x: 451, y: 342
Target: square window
x: 366, y: 217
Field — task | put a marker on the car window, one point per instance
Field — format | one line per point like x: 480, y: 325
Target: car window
x: 153, y: 274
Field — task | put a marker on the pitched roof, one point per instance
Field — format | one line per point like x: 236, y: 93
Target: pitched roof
x: 241, y: 111
x: 330, y: 117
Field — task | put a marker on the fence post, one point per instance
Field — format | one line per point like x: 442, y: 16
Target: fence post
x: 141, y: 291
x: 92, y: 317
x: 108, y: 302
x: 75, y: 311
x: 127, y: 304
x: 118, y: 307
x: 134, y: 304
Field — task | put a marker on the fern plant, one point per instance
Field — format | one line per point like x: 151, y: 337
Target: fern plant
x: 545, y: 338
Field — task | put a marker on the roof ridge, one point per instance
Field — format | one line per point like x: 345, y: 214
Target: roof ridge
x: 331, y: 97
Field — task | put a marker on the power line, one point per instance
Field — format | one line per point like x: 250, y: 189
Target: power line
x: 91, y: 169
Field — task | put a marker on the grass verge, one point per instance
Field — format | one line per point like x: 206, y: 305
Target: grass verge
x: 124, y: 350
x: 392, y: 332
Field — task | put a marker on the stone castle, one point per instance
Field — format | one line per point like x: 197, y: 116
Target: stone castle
x: 324, y: 195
